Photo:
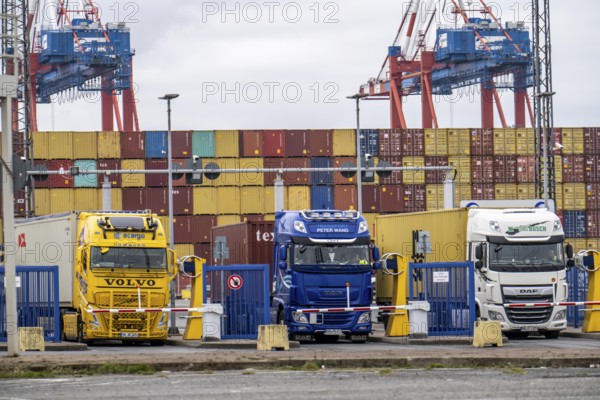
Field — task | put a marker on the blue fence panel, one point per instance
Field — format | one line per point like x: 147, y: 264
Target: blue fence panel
x: 37, y: 301
x: 450, y: 290
x: 243, y: 291
x: 577, y: 282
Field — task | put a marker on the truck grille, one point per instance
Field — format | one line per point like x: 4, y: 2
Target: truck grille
x: 129, y: 299
x: 142, y: 323
x: 528, y: 315
x: 338, y: 318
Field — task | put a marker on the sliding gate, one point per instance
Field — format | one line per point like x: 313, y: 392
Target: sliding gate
x: 449, y: 288
x: 243, y: 291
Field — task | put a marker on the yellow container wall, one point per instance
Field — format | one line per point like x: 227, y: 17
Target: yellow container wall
x: 182, y: 250
x: 459, y: 142
x: 228, y: 219
x: 42, y: 202
x: 164, y: 220
x: 434, y: 197
x: 224, y: 179
x: 251, y: 178
x: 133, y: 180
x: 40, y: 145
x: 87, y: 199
x: 525, y: 141
x: 60, y: 145
x: 85, y: 145
x: 1, y: 231
x: 574, y: 196
x: 109, y: 144
x: 559, y: 200
x: 205, y: 200
x: 269, y: 199
x: 298, y: 198
x: 578, y: 244
x: 436, y: 142
x: 572, y: 140
x: 372, y: 221
x: 413, y: 177
x: 116, y: 195
x: 593, y: 244
x: 228, y: 200
x: 526, y: 191
x: 506, y: 191
x: 505, y: 141
x: 227, y: 144
x: 344, y: 142
x: 463, y: 168
x: 251, y: 200
x: 462, y: 191
x: 62, y: 200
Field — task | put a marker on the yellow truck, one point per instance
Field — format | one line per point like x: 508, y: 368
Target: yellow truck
x: 107, y: 260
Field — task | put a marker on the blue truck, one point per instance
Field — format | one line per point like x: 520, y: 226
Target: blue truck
x: 323, y: 259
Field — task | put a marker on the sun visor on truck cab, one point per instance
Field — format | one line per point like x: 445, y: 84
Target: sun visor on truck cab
x: 502, y: 240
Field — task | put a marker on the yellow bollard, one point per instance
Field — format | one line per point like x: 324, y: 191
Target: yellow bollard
x: 591, y: 321
x: 193, y: 326
x: 398, y: 322
x: 487, y: 332
x: 31, y: 338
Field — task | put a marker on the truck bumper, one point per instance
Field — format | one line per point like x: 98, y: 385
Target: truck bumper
x: 556, y: 322
x: 330, y: 323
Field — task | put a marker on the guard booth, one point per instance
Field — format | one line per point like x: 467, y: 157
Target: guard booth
x: 243, y: 291
x: 37, y: 301
x: 449, y: 288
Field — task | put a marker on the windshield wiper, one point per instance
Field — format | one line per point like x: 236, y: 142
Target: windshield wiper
x: 516, y: 230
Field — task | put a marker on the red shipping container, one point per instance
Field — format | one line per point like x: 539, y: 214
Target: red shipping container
x: 182, y: 144
x: 593, y: 223
x: 505, y: 169
x: 592, y: 168
x: 414, y: 198
x: 132, y: 145
x: 289, y: 177
x: 482, y: 142
x: 297, y: 143
x: 526, y: 169
x: 391, y: 198
x: 483, y: 191
x: 435, y: 176
x: 20, y: 203
x: 157, y: 200
x: 338, y: 162
x: 413, y: 142
x: 252, y: 217
x: 193, y: 228
x: 251, y: 143
x: 156, y: 180
x: 592, y: 196
x: 274, y: 143
x: 591, y: 137
x: 573, y: 168
x: 390, y: 142
x: 109, y: 164
x: 183, y: 200
x: 41, y: 165
x: 345, y: 197
x: 64, y: 179
x: 395, y: 177
x: 204, y: 250
x: 370, y: 198
x: 482, y: 169
x: 134, y: 199
x: 321, y: 143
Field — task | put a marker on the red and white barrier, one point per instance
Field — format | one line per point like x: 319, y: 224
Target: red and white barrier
x: 559, y: 303
x: 210, y: 308
x: 424, y: 307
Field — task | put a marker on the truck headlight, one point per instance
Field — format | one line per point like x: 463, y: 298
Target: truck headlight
x: 495, y: 226
x: 557, y: 225
x: 495, y: 316
x: 559, y: 315
x: 299, y: 226
x: 364, y: 318
x: 299, y: 318
x: 363, y: 227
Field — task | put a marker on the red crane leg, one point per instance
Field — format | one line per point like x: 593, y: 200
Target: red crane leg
x: 128, y: 110
x: 396, y: 113
x: 520, y: 95
x: 427, y: 110
x: 500, y: 110
x: 487, y: 107
x: 107, y: 112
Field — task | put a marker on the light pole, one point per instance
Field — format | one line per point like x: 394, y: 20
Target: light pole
x: 357, y: 97
x: 168, y: 97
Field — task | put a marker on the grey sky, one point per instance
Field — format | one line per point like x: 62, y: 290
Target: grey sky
x: 291, y: 64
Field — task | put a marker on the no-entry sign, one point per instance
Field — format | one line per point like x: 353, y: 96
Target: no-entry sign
x: 235, y: 282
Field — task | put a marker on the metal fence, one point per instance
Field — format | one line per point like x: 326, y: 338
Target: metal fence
x: 37, y: 301
x: 243, y: 291
x: 577, y: 282
x: 449, y: 288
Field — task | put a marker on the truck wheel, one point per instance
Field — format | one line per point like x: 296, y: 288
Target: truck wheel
x: 552, y: 334
x: 157, y: 342
x: 280, y: 317
x: 79, y: 330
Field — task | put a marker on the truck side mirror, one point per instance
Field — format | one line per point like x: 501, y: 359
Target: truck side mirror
x: 478, y: 265
x: 377, y: 265
x: 282, y: 253
x: 376, y: 254
x: 569, y: 251
x: 282, y: 265
x: 479, y: 252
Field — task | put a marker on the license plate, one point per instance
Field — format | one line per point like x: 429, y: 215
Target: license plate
x: 129, y: 334
x: 529, y: 329
x: 332, y: 332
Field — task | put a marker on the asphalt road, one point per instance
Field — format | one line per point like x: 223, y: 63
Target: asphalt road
x: 507, y: 383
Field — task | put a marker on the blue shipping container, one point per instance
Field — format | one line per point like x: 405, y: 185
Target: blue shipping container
x: 369, y: 142
x: 321, y: 197
x: 203, y: 144
x: 156, y: 144
x: 87, y: 180
x: 575, y: 224
x: 321, y: 177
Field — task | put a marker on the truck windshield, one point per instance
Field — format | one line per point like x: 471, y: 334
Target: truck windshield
x: 331, y: 255
x: 127, y: 257
x: 526, y: 257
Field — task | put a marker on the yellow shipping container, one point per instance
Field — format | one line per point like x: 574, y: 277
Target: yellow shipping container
x: 578, y: 244
x: 573, y: 196
x: 85, y: 145
x: 42, y: 201
x: 413, y: 177
x: 344, y: 142
x: 228, y: 219
x: 62, y: 200
x: 436, y: 142
x: 109, y: 145
x: 434, y: 197
x: 1, y: 231
x: 505, y: 141
x: 298, y: 198
x: 506, y: 191
x: 227, y: 144
x: 463, y: 168
x: 462, y: 191
x: 526, y: 191
x: 459, y: 142
x: 269, y: 217
x: 525, y: 141
x: 60, y: 145
x: 164, y: 220
x: 87, y: 199
x: 40, y: 145
x: 205, y: 201
x: 251, y: 178
x: 116, y: 195
x: 133, y: 180
x: 250, y: 200
x: 572, y: 140
x: 269, y: 199
x: 559, y: 200
x: 593, y: 244
x: 224, y: 179
x: 372, y: 221
x: 228, y: 200
x: 182, y: 250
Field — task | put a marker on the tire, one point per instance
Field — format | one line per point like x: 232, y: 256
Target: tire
x: 280, y: 317
x: 80, y: 327
x: 551, y: 334
x: 157, y: 343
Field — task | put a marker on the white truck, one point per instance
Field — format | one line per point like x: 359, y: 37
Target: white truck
x: 518, y: 253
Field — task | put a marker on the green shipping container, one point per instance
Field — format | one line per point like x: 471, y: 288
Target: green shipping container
x: 203, y: 143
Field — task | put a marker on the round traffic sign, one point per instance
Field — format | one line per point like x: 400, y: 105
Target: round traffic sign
x: 235, y: 282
